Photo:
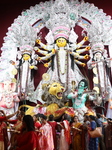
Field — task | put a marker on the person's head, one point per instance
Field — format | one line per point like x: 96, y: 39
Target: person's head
x: 51, y: 117
x: 35, y: 117
x: 20, y: 115
x: 66, y: 117
x: 43, y: 118
x: 75, y: 118
x: 86, y: 118
x: 28, y: 123
x: 91, y: 118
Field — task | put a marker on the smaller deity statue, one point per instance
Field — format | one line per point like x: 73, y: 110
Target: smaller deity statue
x: 79, y: 98
x: 100, y: 64
x: 9, y: 100
x: 26, y: 65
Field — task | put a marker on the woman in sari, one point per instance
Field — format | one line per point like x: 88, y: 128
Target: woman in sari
x: 45, y: 137
x: 3, y: 136
x: 27, y: 140
x: 76, y: 130
x: 53, y: 125
x: 3, y: 129
x: 16, y: 128
x: 65, y: 137
x: 37, y: 123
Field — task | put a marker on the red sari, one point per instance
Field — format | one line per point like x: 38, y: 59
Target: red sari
x: 14, y: 134
x: 46, y: 137
x: 37, y: 125
x: 53, y: 125
x: 27, y: 141
x: 65, y: 137
x: 2, y: 136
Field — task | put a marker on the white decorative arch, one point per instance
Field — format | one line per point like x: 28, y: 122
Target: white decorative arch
x: 38, y: 16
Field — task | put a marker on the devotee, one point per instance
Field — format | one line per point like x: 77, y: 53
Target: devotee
x: 45, y: 135
x: 4, y: 118
x: 3, y: 133
x: 65, y: 137
x: 93, y: 142
x: 27, y: 139
x: 16, y: 128
x: 108, y: 134
x: 86, y: 125
x: 76, y: 129
x: 100, y: 124
x: 37, y: 123
x: 53, y: 125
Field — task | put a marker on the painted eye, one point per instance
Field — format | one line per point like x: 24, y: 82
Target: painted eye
x: 54, y: 85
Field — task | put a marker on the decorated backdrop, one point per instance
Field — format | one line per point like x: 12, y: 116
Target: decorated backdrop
x: 33, y: 58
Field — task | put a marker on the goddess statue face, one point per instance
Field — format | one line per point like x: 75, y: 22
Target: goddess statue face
x: 98, y: 56
x: 26, y: 56
x: 61, y: 42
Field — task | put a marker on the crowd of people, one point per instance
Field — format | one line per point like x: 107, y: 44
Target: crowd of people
x: 40, y: 132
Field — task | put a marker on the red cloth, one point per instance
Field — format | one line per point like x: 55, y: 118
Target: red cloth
x: 2, y: 126
x: 27, y: 141
x: 46, y: 137
x: 53, y: 125
x: 66, y: 126
x: 3, y: 118
x: 13, y: 121
x: 37, y: 124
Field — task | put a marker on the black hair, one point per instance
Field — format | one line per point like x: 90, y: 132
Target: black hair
x: 28, y: 119
x: 92, y: 117
x: 98, y: 115
x: 51, y: 117
x: 61, y: 37
x: 43, y: 116
x: 36, y: 115
x: 66, y: 117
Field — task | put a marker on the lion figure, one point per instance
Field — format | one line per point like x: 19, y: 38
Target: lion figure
x: 53, y: 93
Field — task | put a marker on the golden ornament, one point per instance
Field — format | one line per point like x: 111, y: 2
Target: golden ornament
x: 14, y: 71
x: 14, y: 80
x: 46, y: 76
x: 96, y: 89
x: 95, y: 70
x: 95, y: 80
